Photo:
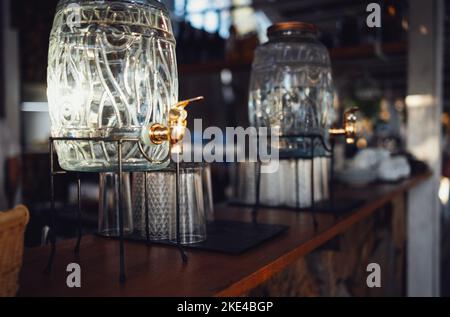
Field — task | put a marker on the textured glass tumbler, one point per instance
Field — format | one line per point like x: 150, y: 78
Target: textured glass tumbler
x: 108, y: 216
x: 111, y: 70
x: 160, y: 203
x: 196, y: 203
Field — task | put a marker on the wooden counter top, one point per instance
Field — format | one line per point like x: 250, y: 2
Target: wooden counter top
x: 158, y: 270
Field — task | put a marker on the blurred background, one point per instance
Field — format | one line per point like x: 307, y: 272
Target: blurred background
x: 215, y: 46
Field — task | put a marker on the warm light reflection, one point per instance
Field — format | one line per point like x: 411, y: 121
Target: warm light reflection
x: 405, y: 24
x: 419, y: 101
x: 423, y: 30
x: 444, y: 190
x: 361, y: 143
x: 445, y: 119
x: 391, y: 10
x: 385, y: 114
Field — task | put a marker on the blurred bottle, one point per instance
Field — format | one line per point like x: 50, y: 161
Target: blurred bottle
x: 393, y: 19
x: 248, y: 45
x: 231, y: 46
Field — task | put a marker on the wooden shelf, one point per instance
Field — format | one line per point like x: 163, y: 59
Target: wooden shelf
x: 158, y: 270
x: 367, y: 50
x: 214, y: 67
x: 336, y: 54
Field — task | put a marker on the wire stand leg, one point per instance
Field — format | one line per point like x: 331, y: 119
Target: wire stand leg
x: 80, y: 229
x: 257, y: 193
x: 297, y: 186
x: 52, y: 232
x: 331, y: 180
x: 184, y: 257
x: 147, y: 228
x: 313, y: 203
x: 122, y: 276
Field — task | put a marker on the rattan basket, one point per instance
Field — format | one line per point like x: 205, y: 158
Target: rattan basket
x: 12, y: 228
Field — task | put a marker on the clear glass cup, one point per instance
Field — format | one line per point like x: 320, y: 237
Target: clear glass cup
x: 245, y: 184
x: 196, y: 203
x: 108, y: 215
x: 111, y: 70
x: 207, y: 192
x: 193, y: 212
x: 160, y: 201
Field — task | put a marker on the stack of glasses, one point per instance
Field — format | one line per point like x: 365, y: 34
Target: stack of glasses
x: 196, y: 205
x: 289, y: 186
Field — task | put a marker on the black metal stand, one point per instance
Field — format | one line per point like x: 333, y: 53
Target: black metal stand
x: 80, y: 224
x: 122, y: 276
x: 328, y: 151
x: 52, y: 235
x: 177, y: 209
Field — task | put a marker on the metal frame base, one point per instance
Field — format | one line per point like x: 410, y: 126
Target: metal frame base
x: 52, y: 234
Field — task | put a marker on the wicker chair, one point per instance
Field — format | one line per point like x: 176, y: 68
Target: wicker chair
x: 12, y: 228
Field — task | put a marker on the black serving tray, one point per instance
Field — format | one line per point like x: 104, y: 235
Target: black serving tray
x: 230, y: 237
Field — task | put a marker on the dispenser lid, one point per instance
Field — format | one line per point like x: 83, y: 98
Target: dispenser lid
x: 291, y: 26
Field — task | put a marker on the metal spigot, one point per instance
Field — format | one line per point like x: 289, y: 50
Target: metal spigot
x: 156, y: 133
x: 349, y: 129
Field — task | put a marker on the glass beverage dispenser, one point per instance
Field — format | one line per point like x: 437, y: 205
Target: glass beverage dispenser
x: 291, y: 86
x: 291, y: 89
x: 111, y: 71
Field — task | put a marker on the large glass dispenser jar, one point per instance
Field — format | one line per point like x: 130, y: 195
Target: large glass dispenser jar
x: 291, y: 87
x: 111, y: 70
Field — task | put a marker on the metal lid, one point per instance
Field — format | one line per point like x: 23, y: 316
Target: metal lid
x: 291, y: 26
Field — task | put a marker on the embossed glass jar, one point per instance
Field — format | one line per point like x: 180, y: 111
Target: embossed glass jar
x: 111, y: 70
x: 291, y: 86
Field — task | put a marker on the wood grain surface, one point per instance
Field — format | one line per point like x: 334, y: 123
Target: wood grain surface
x: 158, y: 270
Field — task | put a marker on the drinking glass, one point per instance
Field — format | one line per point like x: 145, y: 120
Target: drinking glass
x: 289, y: 186
x: 195, y: 201
x: 160, y: 201
x: 193, y: 210
x: 108, y: 216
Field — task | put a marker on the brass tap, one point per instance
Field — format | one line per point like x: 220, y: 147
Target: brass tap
x: 176, y: 127
x: 349, y: 129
